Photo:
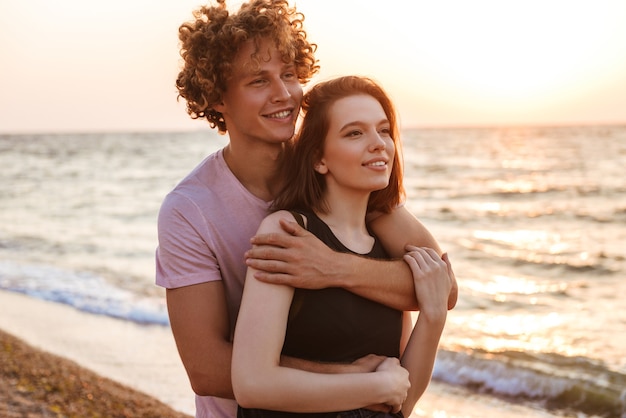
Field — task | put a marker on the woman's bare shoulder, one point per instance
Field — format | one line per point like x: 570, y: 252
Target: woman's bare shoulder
x: 271, y: 223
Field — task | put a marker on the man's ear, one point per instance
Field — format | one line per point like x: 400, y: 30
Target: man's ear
x: 218, y: 107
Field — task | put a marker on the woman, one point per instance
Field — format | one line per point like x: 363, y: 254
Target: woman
x: 345, y: 164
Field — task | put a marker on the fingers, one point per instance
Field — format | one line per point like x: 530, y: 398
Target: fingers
x: 454, y: 296
x: 368, y: 363
x: 446, y: 260
x: 268, y: 266
x: 454, y: 292
x: 435, y: 285
x: 424, y: 258
x: 412, y: 262
x: 398, y: 382
x: 427, y: 253
x: 273, y: 239
x: 281, y: 240
x: 274, y: 278
x: 292, y: 228
x: 266, y: 254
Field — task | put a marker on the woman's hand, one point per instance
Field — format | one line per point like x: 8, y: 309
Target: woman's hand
x: 396, y: 381
x: 433, y: 278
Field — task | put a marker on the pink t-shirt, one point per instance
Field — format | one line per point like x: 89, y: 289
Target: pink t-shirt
x: 205, y: 225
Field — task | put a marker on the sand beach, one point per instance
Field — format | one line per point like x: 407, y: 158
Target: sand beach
x: 34, y: 383
x: 49, y: 344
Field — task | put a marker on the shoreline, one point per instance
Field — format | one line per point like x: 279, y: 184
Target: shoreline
x: 141, y: 357
x: 144, y: 360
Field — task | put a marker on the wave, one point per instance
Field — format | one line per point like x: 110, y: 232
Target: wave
x: 480, y: 191
x: 84, y: 291
x: 599, y: 263
x: 558, y: 383
x: 550, y: 214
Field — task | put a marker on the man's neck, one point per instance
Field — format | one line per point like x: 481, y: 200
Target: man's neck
x: 256, y: 167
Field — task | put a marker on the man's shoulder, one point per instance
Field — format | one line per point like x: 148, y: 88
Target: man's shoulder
x: 205, y: 177
x: 195, y: 189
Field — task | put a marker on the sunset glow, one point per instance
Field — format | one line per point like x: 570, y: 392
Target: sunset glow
x: 112, y: 66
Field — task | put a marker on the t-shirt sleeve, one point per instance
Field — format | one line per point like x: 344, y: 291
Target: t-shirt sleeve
x: 183, y: 255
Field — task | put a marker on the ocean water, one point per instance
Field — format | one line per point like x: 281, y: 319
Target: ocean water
x: 534, y: 220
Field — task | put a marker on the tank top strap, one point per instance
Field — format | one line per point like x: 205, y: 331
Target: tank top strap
x: 298, y: 217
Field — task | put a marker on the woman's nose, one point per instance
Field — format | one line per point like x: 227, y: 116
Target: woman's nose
x: 378, y: 141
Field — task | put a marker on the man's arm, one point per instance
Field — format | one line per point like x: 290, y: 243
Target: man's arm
x: 199, y: 321
x: 198, y: 312
x: 399, y: 229
x: 198, y: 318
x: 299, y: 259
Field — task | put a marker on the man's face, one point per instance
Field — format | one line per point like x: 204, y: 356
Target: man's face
x: 261, y: 103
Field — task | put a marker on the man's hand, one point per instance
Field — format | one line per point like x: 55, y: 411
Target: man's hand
x: 298, y: 259
x: 368, y: 364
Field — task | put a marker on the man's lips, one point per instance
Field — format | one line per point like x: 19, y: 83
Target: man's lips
x: 279, y: 115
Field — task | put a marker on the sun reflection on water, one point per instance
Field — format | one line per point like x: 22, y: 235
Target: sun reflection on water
x: 500, y: 286
x: 550, y: 242
x: 512, y: 332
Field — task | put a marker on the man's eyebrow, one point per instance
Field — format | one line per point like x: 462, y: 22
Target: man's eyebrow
x: 264, y: 72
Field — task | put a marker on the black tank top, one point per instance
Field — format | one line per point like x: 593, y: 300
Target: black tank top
x: 335, y: 325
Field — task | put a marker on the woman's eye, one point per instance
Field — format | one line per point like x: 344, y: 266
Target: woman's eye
x: 353, y: 134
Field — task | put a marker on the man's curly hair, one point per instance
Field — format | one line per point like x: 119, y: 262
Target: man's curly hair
x: 210, y: 43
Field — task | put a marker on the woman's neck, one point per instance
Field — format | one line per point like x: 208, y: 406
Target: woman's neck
x: 346, y: 218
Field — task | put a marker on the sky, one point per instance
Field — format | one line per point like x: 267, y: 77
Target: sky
x: 83, y: 66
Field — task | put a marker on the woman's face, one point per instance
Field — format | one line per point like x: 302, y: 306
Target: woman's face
x: 358, y: 149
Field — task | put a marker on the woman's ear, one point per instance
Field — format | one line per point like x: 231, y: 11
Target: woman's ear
x: 321, y: 167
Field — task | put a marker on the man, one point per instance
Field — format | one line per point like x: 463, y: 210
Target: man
x: 251, y: 88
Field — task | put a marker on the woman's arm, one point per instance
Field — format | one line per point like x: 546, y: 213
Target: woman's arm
x: 259, y: 381
x: 433, y: 282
